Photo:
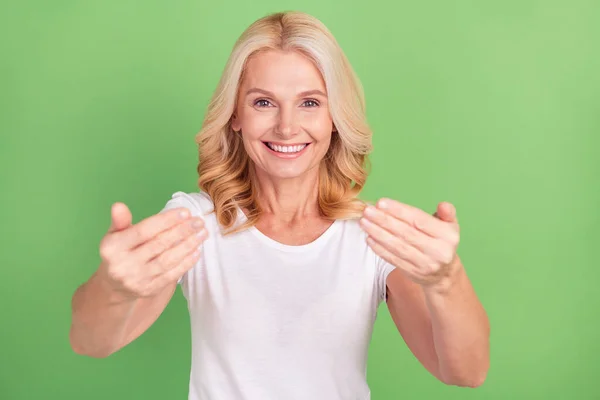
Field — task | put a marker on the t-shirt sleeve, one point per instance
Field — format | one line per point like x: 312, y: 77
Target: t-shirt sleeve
x: 383, y: 270
x: 183, y: 200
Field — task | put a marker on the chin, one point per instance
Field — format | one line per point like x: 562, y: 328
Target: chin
x: 287, y: 173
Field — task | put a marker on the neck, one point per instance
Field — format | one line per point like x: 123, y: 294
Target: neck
x: 289, y: 199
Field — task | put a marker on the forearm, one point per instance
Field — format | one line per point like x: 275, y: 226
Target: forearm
x: 99, y: 319
x: 460, y: 329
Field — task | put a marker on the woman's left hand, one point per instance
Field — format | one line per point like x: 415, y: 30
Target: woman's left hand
x: 422, y: 245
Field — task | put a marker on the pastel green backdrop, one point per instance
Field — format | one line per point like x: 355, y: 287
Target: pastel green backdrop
x: 494, y: 106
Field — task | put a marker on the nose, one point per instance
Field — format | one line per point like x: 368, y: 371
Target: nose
x: 287, y: 123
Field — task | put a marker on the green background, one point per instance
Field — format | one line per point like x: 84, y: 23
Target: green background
x: 494, y: 106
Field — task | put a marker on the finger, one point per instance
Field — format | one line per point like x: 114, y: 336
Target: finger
x: 168, y: 239
x: 439, y: 248
x: 416, y: 274
x: 391, y: 258
x: 396, y: 246
x: 446, y: 212
x: 149, y: 227
x: 120, y: 217
x: 185, y: 265
x: 171, y: 258
x: 400, y: 229
x: 413, y: 216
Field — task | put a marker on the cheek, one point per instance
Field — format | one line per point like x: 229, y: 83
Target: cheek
x: 324, y: 145
x: 319, y: 125
x: 255, y: 124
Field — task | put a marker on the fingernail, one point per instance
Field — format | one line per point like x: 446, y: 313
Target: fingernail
x: 382, y: 204
x: 370, y: 211
x: 183, y: 214
x: 201, y: 234
x: 197, y: 224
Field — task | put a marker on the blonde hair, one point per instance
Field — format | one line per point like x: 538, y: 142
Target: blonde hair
x: 226, y: 172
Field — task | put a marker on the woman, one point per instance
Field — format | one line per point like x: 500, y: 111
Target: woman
x: 282, y: 266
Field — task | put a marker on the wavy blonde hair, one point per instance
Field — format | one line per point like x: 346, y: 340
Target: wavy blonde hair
x: 226, y: 172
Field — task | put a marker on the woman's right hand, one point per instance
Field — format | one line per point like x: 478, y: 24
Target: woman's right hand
x: 141, y: 260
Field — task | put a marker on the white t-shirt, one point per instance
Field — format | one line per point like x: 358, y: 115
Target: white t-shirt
x: 276, y: 322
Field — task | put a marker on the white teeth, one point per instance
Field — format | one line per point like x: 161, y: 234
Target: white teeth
x: 286, y: 149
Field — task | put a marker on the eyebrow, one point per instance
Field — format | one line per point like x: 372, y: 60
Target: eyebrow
x: 302, y: 94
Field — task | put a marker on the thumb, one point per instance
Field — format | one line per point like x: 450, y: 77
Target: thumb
x: 120, y: 217
x: 446, y: 212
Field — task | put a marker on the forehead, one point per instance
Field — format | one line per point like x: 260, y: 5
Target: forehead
x: 272, y: 70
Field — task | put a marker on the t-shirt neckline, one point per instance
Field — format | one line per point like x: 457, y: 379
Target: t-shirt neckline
x: 315, y: 244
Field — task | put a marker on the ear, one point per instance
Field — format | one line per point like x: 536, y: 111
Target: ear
x: 235, y: 123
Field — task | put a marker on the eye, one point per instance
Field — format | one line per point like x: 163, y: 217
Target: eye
x: 311, y: 103
x: 262, y: 103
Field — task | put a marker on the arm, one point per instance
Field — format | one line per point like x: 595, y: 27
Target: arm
x: 430, y: 297
x: 444, y: 325
x: 104, y: 321
x: 141, y: 265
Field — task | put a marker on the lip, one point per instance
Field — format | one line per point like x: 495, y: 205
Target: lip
x: 287, y: 155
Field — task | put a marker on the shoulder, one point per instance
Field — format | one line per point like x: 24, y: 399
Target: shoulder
x: 199, y: 203
x: 351, y: 227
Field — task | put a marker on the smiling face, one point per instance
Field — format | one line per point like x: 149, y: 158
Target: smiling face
x: 283, y: 114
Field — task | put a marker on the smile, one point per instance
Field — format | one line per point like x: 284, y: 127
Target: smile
x: 286, y: 149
